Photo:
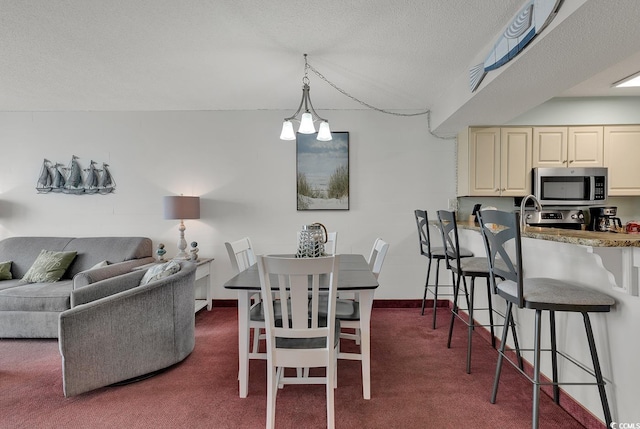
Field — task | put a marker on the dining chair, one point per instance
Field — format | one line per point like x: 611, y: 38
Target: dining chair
x: 461, y: 268
x: 502, y: 239
x: 307, y: 339
x: 437, y: 253
x: 242, y: 256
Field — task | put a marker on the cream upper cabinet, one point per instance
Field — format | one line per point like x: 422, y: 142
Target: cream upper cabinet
x: 568, y: 146
x: 494, y: 162
x: 621, y: 156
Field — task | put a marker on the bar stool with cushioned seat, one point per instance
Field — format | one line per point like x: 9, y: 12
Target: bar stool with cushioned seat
x: 501, y: 232
x: 437, y: 253
x: 461, y: 268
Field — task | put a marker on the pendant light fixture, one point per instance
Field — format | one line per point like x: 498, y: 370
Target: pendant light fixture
x: 308, y: 117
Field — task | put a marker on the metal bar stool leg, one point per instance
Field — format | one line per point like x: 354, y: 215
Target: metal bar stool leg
x: 597, y: 370
x: 554, y: 357
x: 503, y: 344
x: 454, y: 310
x: 491, y: 322
x: 536, y: 370
x: 435, y: 294
x: 471, y: 294
x: 426, y: 287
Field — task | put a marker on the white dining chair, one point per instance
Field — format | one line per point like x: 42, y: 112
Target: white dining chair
x: 242, y: 256
x: 304, y: 337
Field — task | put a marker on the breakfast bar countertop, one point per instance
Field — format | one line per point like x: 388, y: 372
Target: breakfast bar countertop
x: 572, y: 236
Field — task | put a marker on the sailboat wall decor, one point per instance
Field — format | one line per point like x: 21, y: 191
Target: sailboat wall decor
x: 55, y: 177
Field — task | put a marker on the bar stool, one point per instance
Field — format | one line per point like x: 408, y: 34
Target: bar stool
x: 437, y: 253
x: 501, y: 232
x: 462, y: 268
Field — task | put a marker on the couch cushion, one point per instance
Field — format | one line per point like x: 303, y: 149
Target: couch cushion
x: 24, y: 250
x: 5, y: 270
x: 92, y: 250
x: 36, y: 296
x: 49, y: 266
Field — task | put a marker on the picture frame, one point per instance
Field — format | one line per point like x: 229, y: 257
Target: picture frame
x: 322, y: 172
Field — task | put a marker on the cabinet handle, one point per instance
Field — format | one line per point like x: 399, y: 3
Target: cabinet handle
x: 570, y: 161
x: 503, y: 189
x: 564, y: 162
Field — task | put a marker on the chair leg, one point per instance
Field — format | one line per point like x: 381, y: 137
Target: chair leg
x: 426, y: 287
x: 435, y: 292
x: 471, y: 326
x: 516, y: 345
x: 331, y: 420
x: 597, y: 370
x: 503, y: 344
x: 554, y: 357
x: 272, y: 391
x: 491, y: 322
x: 454, y: 310
x: 536, y: 370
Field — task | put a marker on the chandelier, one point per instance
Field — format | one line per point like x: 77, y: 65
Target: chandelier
x: 309, y: 115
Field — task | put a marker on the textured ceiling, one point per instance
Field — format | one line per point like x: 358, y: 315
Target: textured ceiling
x: 78, y: 55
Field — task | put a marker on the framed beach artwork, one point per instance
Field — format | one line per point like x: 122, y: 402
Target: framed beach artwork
x: 322, y: 172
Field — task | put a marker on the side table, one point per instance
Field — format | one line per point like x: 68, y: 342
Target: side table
x: 204, y: 288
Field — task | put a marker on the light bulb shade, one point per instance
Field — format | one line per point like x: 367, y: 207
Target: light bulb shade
x: 181, y: 207
x: 287, y: 131
x: 324, y: 132
x: 306, y: 124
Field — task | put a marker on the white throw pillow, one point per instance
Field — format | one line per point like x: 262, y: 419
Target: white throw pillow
x: 160, y: 271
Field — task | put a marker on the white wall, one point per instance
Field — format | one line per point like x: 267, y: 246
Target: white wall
x: 243, y: 173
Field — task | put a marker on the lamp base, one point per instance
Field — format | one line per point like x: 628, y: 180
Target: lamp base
x: 182, y: 256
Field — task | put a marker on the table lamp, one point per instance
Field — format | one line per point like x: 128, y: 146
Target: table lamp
x: 181, y: 207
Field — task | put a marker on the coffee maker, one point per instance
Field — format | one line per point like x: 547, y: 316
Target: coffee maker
x: 603, y: 219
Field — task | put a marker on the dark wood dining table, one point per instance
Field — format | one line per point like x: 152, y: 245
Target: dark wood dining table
x: 354, y: 276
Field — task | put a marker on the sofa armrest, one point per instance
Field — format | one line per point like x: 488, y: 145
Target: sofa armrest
x: 104, y: 288
x: 84, y: 278
x: 128, y: 334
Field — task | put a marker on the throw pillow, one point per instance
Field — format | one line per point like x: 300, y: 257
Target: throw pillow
x: 49, y: 266
x: 160, y: 271
x: 5, y: 270
x: 99, y: 265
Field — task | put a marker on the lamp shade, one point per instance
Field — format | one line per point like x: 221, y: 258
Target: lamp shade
x: 306, y: 124
x: 181, y: 207
x: 287, y: 131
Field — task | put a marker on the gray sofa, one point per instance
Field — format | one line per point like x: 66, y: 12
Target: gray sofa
x: 31, y: 310
x: 117, y: 330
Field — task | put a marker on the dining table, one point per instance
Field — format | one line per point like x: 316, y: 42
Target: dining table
x: 354, y: 276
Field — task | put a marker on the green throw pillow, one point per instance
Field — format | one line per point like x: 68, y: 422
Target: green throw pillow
x: 5, y: 270
x: 49, y: 267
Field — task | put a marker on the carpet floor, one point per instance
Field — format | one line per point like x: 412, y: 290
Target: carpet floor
x: 416, y: 382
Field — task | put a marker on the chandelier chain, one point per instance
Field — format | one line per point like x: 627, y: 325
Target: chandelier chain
x: 321, y: 76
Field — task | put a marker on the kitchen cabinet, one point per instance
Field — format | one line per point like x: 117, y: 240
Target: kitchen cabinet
x: 580, y: 146
x: 621, y: 155
x: 494, y: 161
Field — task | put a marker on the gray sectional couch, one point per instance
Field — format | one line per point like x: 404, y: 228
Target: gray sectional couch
x: 31, y: 310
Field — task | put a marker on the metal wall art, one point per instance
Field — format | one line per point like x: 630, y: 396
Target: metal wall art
x: 73, y: 179
x: 323, y: 172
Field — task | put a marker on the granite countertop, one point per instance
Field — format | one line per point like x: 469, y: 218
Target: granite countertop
x: 585, y: 238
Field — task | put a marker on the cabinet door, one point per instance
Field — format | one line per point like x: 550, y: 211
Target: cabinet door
x: 484, y: 161
x: 621, y: 155
x: 550, y: 147
x: 515, y: 162
x: 586, y: 147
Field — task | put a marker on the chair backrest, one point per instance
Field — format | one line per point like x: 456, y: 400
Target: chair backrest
x: 331, y: 244
x: 298, y: 281
x: 501, y: 233
x: 378, y: 253
x: 424, y: 238
x: 449, y: 231
x: 241, y: 254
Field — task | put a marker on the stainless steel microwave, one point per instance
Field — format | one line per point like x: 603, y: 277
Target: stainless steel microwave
x: 570, y: 186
